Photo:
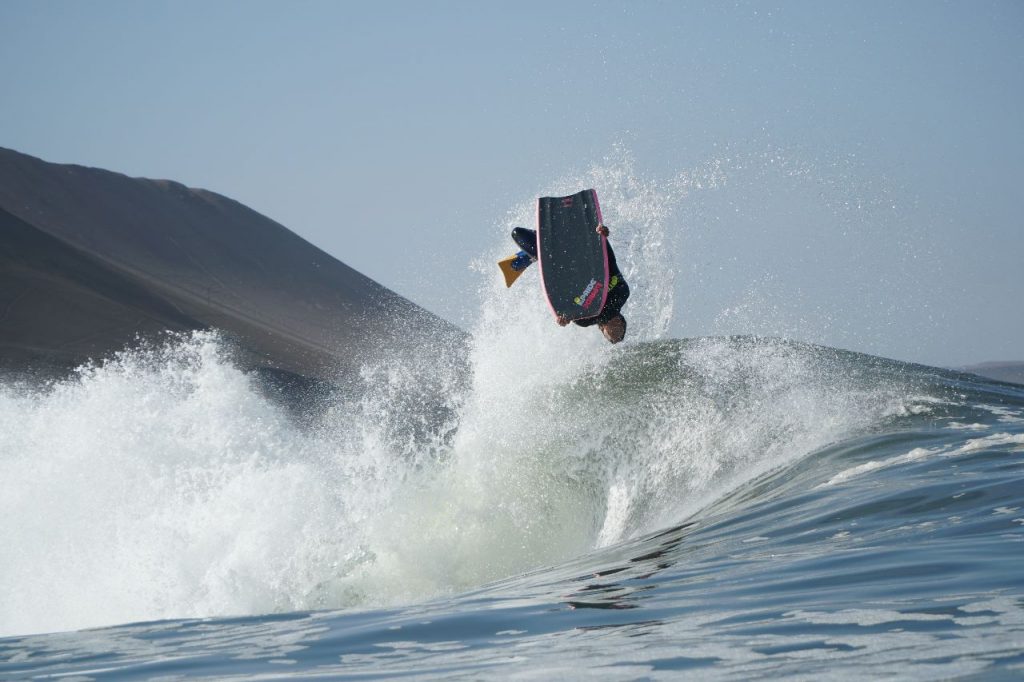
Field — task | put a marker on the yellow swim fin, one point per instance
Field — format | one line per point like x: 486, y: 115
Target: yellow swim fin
x: 506, y: 269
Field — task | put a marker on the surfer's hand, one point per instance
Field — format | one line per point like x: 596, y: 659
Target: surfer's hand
x: 562, y: 320
x: 602, y: 230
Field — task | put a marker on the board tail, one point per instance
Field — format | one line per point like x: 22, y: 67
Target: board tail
x: 506, y: 269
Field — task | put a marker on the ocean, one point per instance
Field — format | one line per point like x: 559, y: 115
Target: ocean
x: 729, y: 507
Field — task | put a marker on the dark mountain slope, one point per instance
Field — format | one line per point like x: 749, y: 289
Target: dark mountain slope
x: 89, y: 259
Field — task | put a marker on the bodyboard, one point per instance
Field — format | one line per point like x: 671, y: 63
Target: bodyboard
x: 573, y: 256
x: 511, y: 275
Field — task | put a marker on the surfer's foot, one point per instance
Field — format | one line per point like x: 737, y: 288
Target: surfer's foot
x: 522, y: 261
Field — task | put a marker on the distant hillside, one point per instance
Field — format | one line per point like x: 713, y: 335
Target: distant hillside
x: 89, y: 259
x: 1012, y: 372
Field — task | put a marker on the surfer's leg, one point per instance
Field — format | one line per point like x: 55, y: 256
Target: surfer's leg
x: 521, y: 261
x: 527, y: 241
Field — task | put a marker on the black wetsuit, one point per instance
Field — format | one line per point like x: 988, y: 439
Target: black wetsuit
x: 618, y: 289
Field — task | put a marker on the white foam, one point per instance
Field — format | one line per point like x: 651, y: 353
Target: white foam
x: 1004, y: 414
x: 914, y: 455
x: 967, y: 447
x: 966, y: 427
x: 159, y: 485
x: 991, y: 441
x: 864, y: 617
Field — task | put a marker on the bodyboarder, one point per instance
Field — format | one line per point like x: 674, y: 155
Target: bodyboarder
x: 610, y: 320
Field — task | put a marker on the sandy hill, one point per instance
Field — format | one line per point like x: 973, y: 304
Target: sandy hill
x: 90, y: 259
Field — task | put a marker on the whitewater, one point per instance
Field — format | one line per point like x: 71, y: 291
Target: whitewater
x: 729, y: 506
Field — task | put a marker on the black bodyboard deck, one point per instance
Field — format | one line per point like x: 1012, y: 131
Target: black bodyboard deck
x: 573, y: 256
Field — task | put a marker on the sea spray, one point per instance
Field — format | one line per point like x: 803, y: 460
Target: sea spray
x: 566, y: 444
x: 162, y: 483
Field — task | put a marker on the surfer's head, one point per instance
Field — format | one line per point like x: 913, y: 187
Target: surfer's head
x: 614, y: 329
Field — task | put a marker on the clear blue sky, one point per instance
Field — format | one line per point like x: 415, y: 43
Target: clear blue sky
x: 398, y: 136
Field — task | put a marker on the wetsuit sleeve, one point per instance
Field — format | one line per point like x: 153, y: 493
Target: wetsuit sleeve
x: 616, y: 297
x: 613, y: 266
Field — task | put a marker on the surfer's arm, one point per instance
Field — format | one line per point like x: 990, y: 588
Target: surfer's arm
x: 602, y: 230
x: 562, y: 320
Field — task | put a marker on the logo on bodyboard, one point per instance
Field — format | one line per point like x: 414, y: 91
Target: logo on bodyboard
x: 589, y: 294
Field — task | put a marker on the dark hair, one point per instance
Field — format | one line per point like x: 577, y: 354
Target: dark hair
x: 617, y: 317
